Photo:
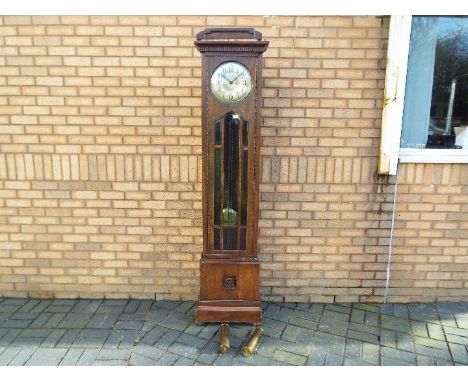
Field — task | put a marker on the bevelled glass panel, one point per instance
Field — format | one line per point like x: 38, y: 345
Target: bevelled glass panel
x: 245, y: 135
x: 245, y: 184
x: 218, y: 132
x: 231, y: 168
x: 216, y: 241
x: 229, y: 238
x: 217, y: 186
x: 243, y: 238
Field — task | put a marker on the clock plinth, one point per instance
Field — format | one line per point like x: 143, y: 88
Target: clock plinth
x: 229, y: 291
x: 231, y: 100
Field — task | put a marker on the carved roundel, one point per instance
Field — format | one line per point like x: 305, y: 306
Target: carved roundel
x: 229, y: 282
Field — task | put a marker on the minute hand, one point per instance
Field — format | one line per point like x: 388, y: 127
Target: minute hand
x: 231, y: 82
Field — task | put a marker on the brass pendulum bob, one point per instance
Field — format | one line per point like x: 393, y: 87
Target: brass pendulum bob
x: 224, y: 342
x: 252, y: 342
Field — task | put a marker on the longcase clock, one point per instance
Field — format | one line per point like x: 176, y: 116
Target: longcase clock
x: 231, y: 99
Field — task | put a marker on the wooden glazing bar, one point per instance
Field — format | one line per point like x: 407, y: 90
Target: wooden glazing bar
x: 239, y: 182
x: 221, y: 231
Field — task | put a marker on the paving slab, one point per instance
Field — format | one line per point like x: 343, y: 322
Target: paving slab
x: 114, y: 354
x: 289, y: 358
x: 8, y: 354
x: 43, y: 362
x: 46, y: 353
x: 459, y: 353
x: 370, y: 353
x: 333, y: 360
x: 356, y: 362
x: 88, y: 357
x: 396, y: 354
x: 22, y: 356
x: 404, y: 342
x: 56, y: 335
x: 208, y: 331
x: 294, y: 347
x: 122, y: 338
x: 140, y: 360
x: 110, y: 362
x: 148, y: 351
x: 209, y: 354
x: 27, y: 341
x: 71, y: 357
x: 394, y: 362
x: 168, y: 359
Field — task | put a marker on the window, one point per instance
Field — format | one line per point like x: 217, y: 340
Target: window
x: 436, y: 102
x: 425, y: 116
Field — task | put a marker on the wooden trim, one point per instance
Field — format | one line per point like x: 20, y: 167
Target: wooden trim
x: 433, y: 155
x: 229, y: 33
x: 394, y: 93
x: 257, y: 140
x: 239, y: 180
x: 237, y: 314
x: 221, y: 225
x: 231, y: 46
x: 207, y: 240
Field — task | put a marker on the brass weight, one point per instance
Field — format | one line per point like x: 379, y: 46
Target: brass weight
x: 224, y: 342
x: 252, y: 342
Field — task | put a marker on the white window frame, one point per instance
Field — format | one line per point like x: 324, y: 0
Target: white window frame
x: 392, y: 113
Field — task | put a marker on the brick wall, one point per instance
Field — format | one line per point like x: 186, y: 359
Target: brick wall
x: 100, y: 166
x: 431, y: 234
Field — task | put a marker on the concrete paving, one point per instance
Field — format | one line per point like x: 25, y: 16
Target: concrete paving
x: 143, y: 332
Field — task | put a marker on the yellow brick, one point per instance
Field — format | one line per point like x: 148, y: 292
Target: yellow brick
x: 104, y: 20
x: 17, y: 20
x: 72, y: 19
x: 89, y: 30
x: 162, y: 20
x: 46, y: 19
x: 133, y: 20
x: 178, y: 52
x: 220, y: 20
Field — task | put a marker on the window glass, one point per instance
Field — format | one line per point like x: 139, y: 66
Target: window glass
x: 436, y: 100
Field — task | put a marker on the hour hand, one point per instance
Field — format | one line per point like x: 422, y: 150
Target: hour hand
x: 222, y: 75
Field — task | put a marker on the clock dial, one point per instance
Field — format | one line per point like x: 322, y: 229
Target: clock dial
x: 231, y: 82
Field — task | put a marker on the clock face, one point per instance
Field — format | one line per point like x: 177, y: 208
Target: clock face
x: 231, y: 82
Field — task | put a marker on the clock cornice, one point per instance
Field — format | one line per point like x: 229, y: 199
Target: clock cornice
x: 230, y: 40
x: 231, y: 46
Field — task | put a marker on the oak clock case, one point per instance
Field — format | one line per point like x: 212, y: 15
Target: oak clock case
x: 231, y: 99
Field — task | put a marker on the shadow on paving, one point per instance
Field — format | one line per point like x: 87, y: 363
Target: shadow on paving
x: 144, y: 332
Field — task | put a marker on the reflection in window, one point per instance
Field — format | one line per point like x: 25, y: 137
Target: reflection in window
x: 230, y: 182
x: 436, y: 100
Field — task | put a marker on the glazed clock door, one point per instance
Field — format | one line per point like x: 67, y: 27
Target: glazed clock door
x: 230, y: 183
x: 232, y: 132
